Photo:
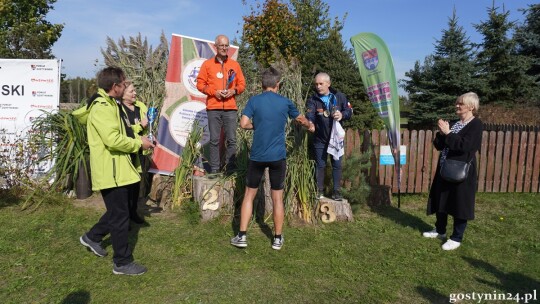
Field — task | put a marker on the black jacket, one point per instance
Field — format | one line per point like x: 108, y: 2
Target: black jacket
x: 315, y: 114
x: 458, y: 199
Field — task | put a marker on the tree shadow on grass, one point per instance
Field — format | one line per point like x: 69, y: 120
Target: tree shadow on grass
x: 431, y: 295
x: 401, y: 217
x: 509, y: 282
x: 77, y: 297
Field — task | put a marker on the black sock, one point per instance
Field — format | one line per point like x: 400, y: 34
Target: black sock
x: 241, y: 233
x: 277, y: 236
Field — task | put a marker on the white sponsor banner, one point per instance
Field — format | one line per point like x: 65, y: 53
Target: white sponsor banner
x: 27, y: 88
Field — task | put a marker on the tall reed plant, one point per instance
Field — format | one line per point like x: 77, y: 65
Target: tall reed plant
x: 183, y: 173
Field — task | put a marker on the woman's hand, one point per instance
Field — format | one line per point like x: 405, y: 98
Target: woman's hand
x: 144, y: 122
x: 444, y: 126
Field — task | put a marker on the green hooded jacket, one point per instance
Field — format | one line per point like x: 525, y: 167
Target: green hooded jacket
x: 110, y: 147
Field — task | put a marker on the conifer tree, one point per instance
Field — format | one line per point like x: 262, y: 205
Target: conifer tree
x: 448, y: 73
x: 528, y: 39
x: 502, y: 68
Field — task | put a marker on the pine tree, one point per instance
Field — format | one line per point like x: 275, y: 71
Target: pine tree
x: 446, y: 74
x: 502, y: 68
x: 528, y: 39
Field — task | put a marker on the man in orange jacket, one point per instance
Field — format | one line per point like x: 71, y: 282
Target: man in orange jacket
x: 221, y: 79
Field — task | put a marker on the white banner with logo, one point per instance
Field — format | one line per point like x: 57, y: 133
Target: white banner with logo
x: 27, y: 88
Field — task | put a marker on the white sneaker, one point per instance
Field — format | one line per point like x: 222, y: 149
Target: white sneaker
x: 239, y: 241
x: 278, y: 243
x: 451, y: 245
x: 433, y: 234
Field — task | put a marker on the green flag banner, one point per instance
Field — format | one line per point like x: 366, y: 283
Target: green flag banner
x: 377, y: 72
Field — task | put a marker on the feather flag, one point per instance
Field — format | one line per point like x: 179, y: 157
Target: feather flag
x: 377, y: 72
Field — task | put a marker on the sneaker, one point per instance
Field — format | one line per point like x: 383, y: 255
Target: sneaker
x: 278, y: 243
x: 239, y: 241
x: 434, y: 234
x: 213, y: 174
x: 129, y: 269
x: 337, y: 196
x: 95, y: 247
x: 451, y: 245
x: 319, y: 195
x: 137, y: 219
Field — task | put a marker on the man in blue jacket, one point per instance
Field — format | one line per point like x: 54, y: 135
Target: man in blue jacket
x: 323, y: 107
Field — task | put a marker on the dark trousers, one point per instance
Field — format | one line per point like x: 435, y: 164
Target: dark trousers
x: 134, y: 199
x: 229, y: 121
x: 116, y: 222
x: 320, y: 162
x: 459, y: 226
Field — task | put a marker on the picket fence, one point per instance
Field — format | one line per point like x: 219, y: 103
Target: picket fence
x: 509, y: 161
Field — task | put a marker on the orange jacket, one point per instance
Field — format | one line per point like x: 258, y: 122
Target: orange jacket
x: 213, y: 76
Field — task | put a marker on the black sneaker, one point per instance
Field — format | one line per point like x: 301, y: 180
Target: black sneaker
x: 129, y: 269
x: 213, y: 174
x: 137, y: 219
x: 319, y: 195
x: 337, y: 196
x: 95, y: 247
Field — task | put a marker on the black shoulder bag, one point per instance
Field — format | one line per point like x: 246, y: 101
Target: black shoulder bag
x: 455, y: 171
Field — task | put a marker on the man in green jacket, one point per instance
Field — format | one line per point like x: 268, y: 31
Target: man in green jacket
x: 115, y: 169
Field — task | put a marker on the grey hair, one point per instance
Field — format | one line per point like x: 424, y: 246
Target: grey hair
x: 324, y: 76
x: 471, y: 99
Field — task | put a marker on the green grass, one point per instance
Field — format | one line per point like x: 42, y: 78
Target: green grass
x: 379, y: 258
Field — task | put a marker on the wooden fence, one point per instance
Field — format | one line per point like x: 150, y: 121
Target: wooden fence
x: 508, y: 161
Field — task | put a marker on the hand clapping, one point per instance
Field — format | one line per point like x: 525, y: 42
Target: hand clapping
x: 444, y: 126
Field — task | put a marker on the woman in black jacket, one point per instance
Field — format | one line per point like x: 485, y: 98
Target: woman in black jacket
x: 458, y: 141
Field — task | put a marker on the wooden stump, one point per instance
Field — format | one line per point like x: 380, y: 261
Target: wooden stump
x: 213, y: 195
x: 380, y: 195
x: 330, y: 210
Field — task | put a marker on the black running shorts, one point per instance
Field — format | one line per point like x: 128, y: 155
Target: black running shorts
x: 276, y: 171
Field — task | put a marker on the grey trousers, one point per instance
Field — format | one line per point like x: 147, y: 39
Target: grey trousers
x: 228, y: 120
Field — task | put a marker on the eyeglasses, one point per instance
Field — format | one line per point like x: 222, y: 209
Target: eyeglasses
x: 223, y: 46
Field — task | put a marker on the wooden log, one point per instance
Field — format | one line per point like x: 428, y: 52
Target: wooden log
x: 330, y: 210
x: 380, y: 195
x: 213, y: 196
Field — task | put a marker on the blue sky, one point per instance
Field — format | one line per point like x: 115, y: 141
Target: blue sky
x: 409, y: 27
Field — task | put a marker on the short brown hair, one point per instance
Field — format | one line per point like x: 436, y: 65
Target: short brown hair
x: 107, y: 77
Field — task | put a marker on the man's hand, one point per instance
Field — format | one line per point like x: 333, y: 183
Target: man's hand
x: 311, y: 127
x: 337, y: 115
x: 146, y: 143
x: 228, y: 93
x: 219, y: 94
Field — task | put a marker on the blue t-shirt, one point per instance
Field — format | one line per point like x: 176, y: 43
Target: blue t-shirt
x: 269, y: 113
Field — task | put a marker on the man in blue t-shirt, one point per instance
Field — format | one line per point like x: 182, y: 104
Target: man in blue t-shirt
x: 267, y: 114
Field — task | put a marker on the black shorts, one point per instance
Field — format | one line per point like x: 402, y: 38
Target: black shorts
x: 276, y: 171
